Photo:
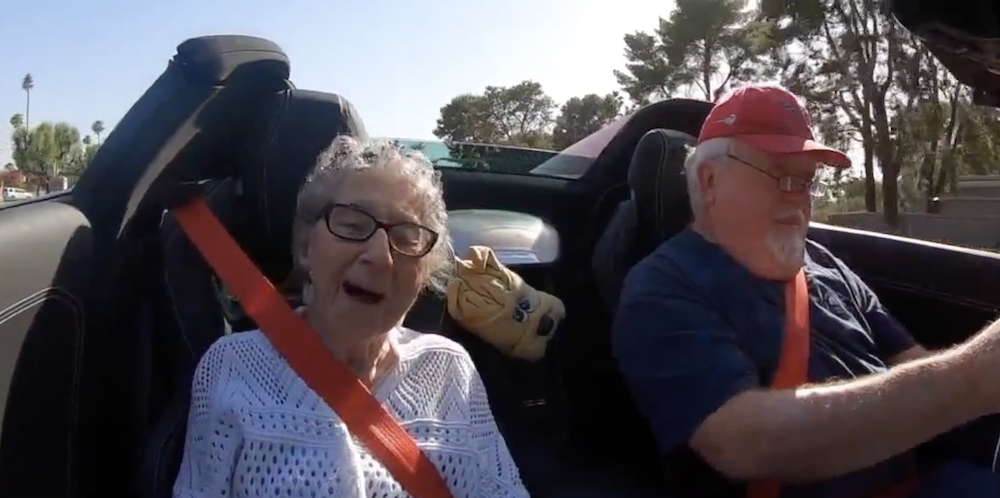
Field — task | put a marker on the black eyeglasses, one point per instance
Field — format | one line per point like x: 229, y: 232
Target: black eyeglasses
x: 790, y: 184
x: 357, y: 225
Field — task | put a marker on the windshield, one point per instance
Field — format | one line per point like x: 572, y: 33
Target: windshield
x: 576, y: 159
x: 493, y: 158
x: 571, y: 163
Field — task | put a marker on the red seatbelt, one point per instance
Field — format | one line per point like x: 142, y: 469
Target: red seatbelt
x: 793, y: 371
x: 793, y: 365
x: 301, y: 347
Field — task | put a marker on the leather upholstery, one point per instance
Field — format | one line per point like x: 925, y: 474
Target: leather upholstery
x: 658, y: 208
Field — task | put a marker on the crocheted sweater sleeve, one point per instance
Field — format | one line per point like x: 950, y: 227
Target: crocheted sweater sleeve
x: 209, y: 454
x: 256, y: 429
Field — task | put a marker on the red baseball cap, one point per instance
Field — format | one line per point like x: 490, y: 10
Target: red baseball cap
x: 770, y: 119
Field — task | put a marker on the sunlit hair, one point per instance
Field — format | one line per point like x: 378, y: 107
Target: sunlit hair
x: 707, y: 151
x: 347, y: 156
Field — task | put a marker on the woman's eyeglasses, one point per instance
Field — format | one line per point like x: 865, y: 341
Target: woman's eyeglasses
x: 357, y: 225
x: 790, y: 184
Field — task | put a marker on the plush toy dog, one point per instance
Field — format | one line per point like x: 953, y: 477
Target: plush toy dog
x: 493, y: 302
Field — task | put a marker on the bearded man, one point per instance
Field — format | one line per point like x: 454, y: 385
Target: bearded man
x: 700, y: 326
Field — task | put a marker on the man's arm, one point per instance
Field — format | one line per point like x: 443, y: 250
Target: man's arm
x: 915, y: 353
x: 696, y: 387
x: 823, y: 431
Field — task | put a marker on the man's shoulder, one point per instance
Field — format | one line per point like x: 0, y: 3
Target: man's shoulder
x: 822, y: 264
x: 821, y: 257
x: 662, y: 267
x: 684, y: 263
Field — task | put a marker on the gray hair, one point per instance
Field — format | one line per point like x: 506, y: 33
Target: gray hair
x: 345, y: 156
x: 707, y: 151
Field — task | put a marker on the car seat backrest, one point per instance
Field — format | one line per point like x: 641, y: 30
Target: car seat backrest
x: 277, y: 163
x: 656, y: 209
x: 195, y: 319
x: 257, y: 209
x: 210, y: 88
x: 178, y: 128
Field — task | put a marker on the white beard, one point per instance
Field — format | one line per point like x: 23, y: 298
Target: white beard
x: 788, y: 248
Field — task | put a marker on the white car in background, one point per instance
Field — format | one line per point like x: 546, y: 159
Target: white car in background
x: 15, y: 194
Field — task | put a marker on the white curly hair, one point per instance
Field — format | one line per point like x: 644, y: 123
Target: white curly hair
x: 347, y: 155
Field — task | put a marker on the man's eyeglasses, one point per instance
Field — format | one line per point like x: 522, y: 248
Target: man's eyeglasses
x: 357, y: 225
x: 790, y: 184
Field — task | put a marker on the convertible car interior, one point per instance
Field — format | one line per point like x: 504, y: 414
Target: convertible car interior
x: 106, y: 306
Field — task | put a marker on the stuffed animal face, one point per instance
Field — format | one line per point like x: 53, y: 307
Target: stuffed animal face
x: 491, y: 301
x: 539, y: 313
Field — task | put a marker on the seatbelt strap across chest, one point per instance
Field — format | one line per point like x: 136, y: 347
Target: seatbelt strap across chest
x: 294, y: 339
x: 793, y: 364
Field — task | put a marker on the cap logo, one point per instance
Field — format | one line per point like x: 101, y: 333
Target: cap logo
x: 728, y: 120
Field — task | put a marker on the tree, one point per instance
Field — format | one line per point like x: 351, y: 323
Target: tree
x: 515, y: 115
x: 706, y: 45
x: 98, y: 128
x: 17, y: 121
x: 467, y: 119
x: 46, y: 150
x: 852, y: 65
x: 942, y: 136
x: 581, y: 116
x: 80, y: 160
x: 27, y: 84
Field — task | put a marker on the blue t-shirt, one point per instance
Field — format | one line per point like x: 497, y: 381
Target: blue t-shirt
x: 695, y: 328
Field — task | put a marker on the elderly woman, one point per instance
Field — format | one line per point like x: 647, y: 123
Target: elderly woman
x: 369, y: 235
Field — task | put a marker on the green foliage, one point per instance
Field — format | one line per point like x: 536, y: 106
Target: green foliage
x: 800, y: 18
x: 515, y: 115
x: 524, y: 116
x: 49, y: 150
x: 581, y: 116
x: 706, y: 46
x: 499, y: 158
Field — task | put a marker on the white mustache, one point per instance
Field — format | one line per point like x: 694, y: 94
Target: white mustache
x: 787, y: 213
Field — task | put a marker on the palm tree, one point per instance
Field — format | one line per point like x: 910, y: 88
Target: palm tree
x: 97, y: 128
x: 27, y: 84
x: 17, y: 121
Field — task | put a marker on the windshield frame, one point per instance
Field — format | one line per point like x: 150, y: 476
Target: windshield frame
x: 498, y: 158
x: 571, y: 163
x: 574, y: 161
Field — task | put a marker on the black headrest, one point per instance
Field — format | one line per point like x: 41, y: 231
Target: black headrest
x: 656, y: 179
x: 302, y: 124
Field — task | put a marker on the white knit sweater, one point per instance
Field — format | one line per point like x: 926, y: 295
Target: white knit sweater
x: 255, y: 429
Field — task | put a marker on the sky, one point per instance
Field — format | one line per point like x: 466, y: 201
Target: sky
x: 397, y: 61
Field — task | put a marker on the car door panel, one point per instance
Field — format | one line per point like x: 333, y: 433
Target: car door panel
x: 46, y: 257
x: 552, y: 199
x: 550, y: 462
x: 559, y: 202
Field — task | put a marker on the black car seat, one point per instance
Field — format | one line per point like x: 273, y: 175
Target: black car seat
x: 181, y: 125
x: 657, y: 208
x: 256, y: 206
